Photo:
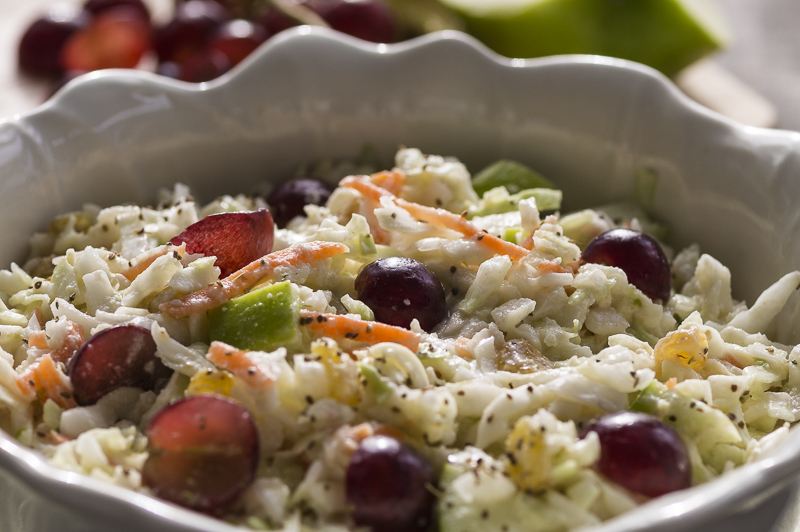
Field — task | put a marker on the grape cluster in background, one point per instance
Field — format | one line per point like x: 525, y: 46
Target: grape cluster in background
x: 203, y: 40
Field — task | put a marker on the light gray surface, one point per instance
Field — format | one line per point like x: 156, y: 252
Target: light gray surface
x: 765, y: 52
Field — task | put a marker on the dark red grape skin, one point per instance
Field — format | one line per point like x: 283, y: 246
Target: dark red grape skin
x: 205, y: 65
x: 387, y: 486
x: 641, y: 453
x: 274, y: 21
x: 235, y: 238
x: 120, y: 356
x: 95, y: 7
x: 190, y: 30
x: 237, y: 39
x: 203, y: 452
x: 288, y: 200
x: 398, y: 289
x: 41, y: 44
x: 637, y: 254
x: 370, y: 20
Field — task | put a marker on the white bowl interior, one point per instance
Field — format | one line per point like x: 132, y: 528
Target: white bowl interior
x: 587, y: 123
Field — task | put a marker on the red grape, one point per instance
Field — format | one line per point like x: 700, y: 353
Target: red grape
x: 66, y: 78
x: 288, y: 200
x: 370, y: 20
x: 95, y: 7
x: 203, y: 452
x: 113, y: 358
x: 235, y: 238
x: 387, y: 486
x: 190, y: 30
x: 41, y: 44
x: 204, y: 66
x: 275, y: 21
x: 237, y: 39
x: 641, y: 453
x: 637, y: 254
x: 398, y: 289
x: 117, y: 38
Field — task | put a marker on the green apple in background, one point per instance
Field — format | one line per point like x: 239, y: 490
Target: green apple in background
x: 666, y: 34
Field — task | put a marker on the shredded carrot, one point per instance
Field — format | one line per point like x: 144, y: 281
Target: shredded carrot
x: 551, y: 267
x: 38, y: 339
x: 730, y: 359
x: 392, y: 180
x: 240, y: 364
x: 72, y: 342
x: 461, y: 348
x: 45, y: 380
x: 439, y: 217
x: 671, y: 382
x: 240, y: 281
x: 57, y: 437
x: 149, y: 257
x: 338, y: 327
x: 528, y: 242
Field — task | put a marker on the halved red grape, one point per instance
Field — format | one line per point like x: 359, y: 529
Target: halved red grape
x: 237, y: 39
x: 95, y: 7
x: 235, y: 238
x: 190, y: 30
x: 113, y: 358
x: 117, y: 38
x: 399, y: 289
x: 637, y: 254
x: 41, y: 44
x: 288, y: 200
x: 371, y: 20
x: 387, y: 486
x: 203, y: 452
x: 641, y: 453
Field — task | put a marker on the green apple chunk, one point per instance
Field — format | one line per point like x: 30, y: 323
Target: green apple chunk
x: 515, y: 176
x: 262, y: 320
x: 665, y: 34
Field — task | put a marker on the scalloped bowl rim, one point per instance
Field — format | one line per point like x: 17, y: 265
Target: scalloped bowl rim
x: 671, y: 512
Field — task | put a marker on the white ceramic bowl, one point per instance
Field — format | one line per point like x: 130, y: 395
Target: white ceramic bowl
x: 588, y: 123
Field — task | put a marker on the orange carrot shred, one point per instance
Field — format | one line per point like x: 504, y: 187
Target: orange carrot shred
x: 240, y: 364
x: 551, y: 267
x: 339, y: 326
x: 240, y: 281
x: 392, y: 180
x: 38, y: 339
x: 439, y: 217
x: 43, y: 378
x: 150, y: 257
x: 72, y: 342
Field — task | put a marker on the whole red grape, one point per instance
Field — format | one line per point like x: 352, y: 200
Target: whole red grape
x: 41, y: 44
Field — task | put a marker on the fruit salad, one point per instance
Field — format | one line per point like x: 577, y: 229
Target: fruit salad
x: 409, y: 350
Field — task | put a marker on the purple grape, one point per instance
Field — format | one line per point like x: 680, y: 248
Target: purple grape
x: 641, y: 453
x: 113, y: 358
x: 387, y: 486
x: 192, y: 27
x: 41, y: 44
x: 370, y: 20
x: 203, y: 452
x: 398, y: 289
x: 288, y: 200
x: 204, y: 66
x: 237, y: 39
x: 275, y: 21
x: 638, y: 255
x: 95, y: 7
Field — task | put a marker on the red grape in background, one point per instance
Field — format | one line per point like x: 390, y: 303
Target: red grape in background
x: 41, y: 44
x: 237, y: 39
x: 194, y: 24
x: 117, y: 38
x: 95, y: 7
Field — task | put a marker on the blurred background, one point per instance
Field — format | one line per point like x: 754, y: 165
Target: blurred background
x: 755, y: 77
